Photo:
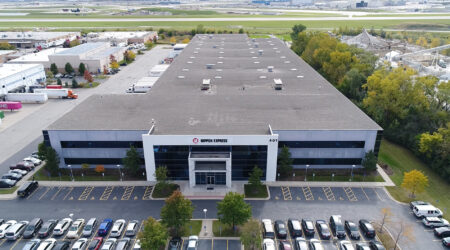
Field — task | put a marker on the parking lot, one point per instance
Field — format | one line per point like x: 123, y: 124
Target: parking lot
x: 107, y: 193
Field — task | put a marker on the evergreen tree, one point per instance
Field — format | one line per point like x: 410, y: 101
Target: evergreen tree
x: 284, y: 161
x: 74, y: 83
x: 255, y: 177
x: 58, y: 81
x: 370, y: 161
x: 132, y: 162
x: 81, y: 69
x: 52, y: 161
x: 68, y: 68
x: 54, y: 69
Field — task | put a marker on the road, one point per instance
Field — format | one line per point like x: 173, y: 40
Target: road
x: 224, y: 19
x: 26, y: 130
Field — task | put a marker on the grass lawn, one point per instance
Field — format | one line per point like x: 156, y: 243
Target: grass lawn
x: 224, y: 230
x: 8, y: 190
x: 260, y: 192
x: 196, y: 226
x: 42, y: 175
x: 86, y: 85
x: 160, y: 192
x: 401, y: 160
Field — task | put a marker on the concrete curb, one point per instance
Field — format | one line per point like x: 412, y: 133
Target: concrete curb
x: 393, y: 199
x: 260, y: 199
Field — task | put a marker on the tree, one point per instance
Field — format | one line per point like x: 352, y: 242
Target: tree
x: 52, y: 161
x: 6, y: 46
x: 386, y: 217
x: 74, y: 83
x: 132, y: 162
x: 49, y: 74
x: 81, y: 68
x: 129, y: 56
x: 58, y: 81
x: 105, y: 70
x: 54, y: 69
x: 176, y: 212
x: 88, y: 77
x: 251, y: 235
x: 42, y: 151
x: 74, y: 43
x: 153, y: 235
x: 284, y: 161
x: 351, y: 85
x: 369, y: 161
x: 297, y: 29
x: 85, y: 166
x: 435, y: 42
x: 173, y: 40
x: 414, y: 181
x: 241, y: 31
x: 99, y: 169
x: 422, y: 41
x: 114, y: 65
x: 233, y: 210
x: 161, y: 175
x: 255, y: 177
x: 186, y: 40
x: 69, y: 69
x: 299, y: 44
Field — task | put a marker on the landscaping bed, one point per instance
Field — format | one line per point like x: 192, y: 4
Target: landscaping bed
x: 224, y: 230
x: 252, y: 192
x: 164, y: 191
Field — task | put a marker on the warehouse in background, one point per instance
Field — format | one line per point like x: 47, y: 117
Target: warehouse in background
x: 31, y: 39
x: 122, y: 37
x: 40, y: 57
x: 18, y: 77
x: 228, y: 103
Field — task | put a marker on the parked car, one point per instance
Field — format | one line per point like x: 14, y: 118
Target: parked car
x: 418, y: 203
x: 323, y: 230
x: 23, y: 166
x: 446, y: 242
x: 15, y: 231
x: 47, y: 244
x: 352, y: 230
x: 175, y: 244
x: 62, y: 226
x: 62, y: 245
x: 117, y: 228
x: 314, y: 244
x: 268, y: 231
x: 345, y: 245
x: 89, y: 227
x: 27, y: 188
x: 268, y: 244
x: 192, y: 243
x: 280, y: 229
x: 104, y: 227
x: 137, y: 245
x: 421, y: 211
x: 362, y: 246
x: 4, y: 227
x: 34, y: 161
x: 95, y: 243
x: 75, y: 228
x: 109, y: 244
x: 433, y: 222
x: 32, y: 228
x: 32, y: 244
x: 367, y: 228
x: 12, y: 176
x: 295, y: 228
x: 308, y: 227
x: 301, y: 244
x: 376, y: 245
x: 59, y: 75
x: 132, y: 228
x: 18, y: 171
x: 442, y: 232
x: 337, y: 226
x: 47, y: 228
x: 123, y: 244
x: 284, y: 245
x: 80, y: 244
x: 6, y: 183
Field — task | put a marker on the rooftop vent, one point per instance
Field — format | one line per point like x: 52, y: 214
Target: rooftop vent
x: 293, y: 69
x: 260, y: 52
x: 180, y: 77
x: 256, y: 45
x: 282, y: 57
x: 210, y: 65
x: 278, y: 84
x: 206, y: 84
x: 262, y: 77
x: 221, y: 52
x: 218, y: 77
x: 214, y: 46
x: 254, y: 57
x: 299, y: 76
x: 185, y: 69
x: 270, y: 68
x: 192, y: 57
x: 210, y: 36
x: 219, y: 62
x: 253, y: 39
x: 189, y: 62
x: 287, y: 61
x: 256, y: 62
x: 220, y: 57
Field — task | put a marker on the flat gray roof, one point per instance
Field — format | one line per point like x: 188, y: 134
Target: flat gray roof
x: 81, y: 49
x: 242, y: 98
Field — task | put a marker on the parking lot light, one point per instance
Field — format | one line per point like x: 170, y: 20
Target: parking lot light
x: 351, y: 178
x: 120, y: 172
x: 306, y: 171
x: 71, y: 172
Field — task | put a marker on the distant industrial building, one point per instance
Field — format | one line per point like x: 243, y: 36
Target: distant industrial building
x: 4, y: 55
x: 17, y: 77
x: 40, y: 57
x: 366, y: 41
x: 362, y: 4
x: 116, y: 38
x: 35, y: 39
x: 94, y: 55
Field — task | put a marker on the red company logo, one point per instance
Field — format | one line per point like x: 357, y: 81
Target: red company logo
x: 195, y: 140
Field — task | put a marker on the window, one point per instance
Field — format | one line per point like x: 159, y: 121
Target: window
x: 322, y: 144
x: 175, y: 158
x: 326, y: 161
x: 101, y: 144
x: 105, y: 161
x: 245, y: 158
x: 376, y: 148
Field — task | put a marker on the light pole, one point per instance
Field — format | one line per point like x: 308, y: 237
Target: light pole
x: 352, y: 173
x: 204, y: 211
x: 120, y: 172
x: 71, y: 173
x: 306, y: 171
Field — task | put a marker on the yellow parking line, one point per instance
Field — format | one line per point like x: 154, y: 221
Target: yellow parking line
x: 87, y: 191
x: 350, y: 195
x: 124, y: 230
x: 140, y: 227
x: 57, y: 192
x: 147, y: 193
x: 212, y: 244
x: 15, y: 243
x: 29, y: 196
x: 127, y: 193
x: 46, y: 191
x: 308, y: 194
x: 1, y: 243
x: 227, y: 244
x: 329, y: 193
x: 106, y: 193
x: 70, y: 191
x: 286, y: 193
x: 365, y: 193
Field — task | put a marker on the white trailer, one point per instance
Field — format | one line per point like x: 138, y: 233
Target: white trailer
x: 27, y: 97
x: 158, y: 70
x: 57, y: 93
x: 143, y: 85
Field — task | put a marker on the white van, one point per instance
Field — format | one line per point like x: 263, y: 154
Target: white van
x: 15, y: 231
x: 268, y: 232
x: 421, y: 211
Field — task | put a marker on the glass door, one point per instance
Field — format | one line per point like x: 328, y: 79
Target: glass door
x: 210, y: 180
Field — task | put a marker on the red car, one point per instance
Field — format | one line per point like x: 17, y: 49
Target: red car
x: 95, y: 243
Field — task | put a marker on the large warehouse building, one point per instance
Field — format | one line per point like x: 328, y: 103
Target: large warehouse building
x: 31, y: 39
x: 226, y: 104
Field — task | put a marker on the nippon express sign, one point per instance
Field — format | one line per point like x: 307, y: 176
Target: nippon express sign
x: 207, y: 140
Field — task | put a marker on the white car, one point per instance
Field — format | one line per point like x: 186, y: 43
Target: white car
x: 4, y: 227
x: 109, y: 244
x: 36, y: 162
x: 47, y: 244
x: 137, y: 245
x: 192, y: 243
x: 62, y: 226
x: 75, y: 228
x: 346, y: 245
x: 80, y: 244
x: 314, y: 244
x: 117, y: 228
x: 268, y: 244
x: 132, y: 228
x: 18, y: 171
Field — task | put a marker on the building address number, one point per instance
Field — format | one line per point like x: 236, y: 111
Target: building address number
x: 273, y: 140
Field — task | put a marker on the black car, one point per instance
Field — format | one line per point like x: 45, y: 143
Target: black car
x: 337, y: 227
x: 27, y: 188
x: 295, y: 228
x: 367, y: 228
x: 280, y: 229
x: 32, y: 228
x: 47, y: 228
x: 62, y: 245
x: 442, y: 232
x: 352, y: 230
x: 376, y: 245
x: 7, y: 183
x: 284, y: 245
x: 301, y: 244
x: 323, y: 230
x: 308, y: 227
x: 362, y: 246
x: 175, y: 244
